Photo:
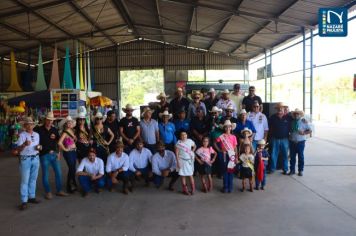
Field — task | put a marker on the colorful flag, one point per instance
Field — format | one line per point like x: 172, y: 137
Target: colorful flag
x: 67, y: 76
x: 14, y: 83
x: 54, y: 83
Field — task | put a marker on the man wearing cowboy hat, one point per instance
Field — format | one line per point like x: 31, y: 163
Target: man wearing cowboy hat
x: 237, y: 97
x: 195, y: 104
x: 179, y: 103
x: 211, y: 100
x: 49, y: 155
x: 149, y: 129
x: 167, y: 130
x: 298, y: 135
x: 164, y: 165
x: 129, y: 128
x: 161, y: 106
x: 225, y: 102
x: 28, y: 147
x: 249, y: 100
x: 229, y: 111
x: 279, y: 125
x: 259, y: 121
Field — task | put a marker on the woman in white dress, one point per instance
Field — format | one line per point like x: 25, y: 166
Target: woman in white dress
x: 184, y: 150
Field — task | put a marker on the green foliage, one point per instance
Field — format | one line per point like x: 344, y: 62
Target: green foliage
x: 136, y: 83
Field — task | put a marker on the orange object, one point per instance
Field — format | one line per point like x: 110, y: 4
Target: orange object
x: 100, y: 101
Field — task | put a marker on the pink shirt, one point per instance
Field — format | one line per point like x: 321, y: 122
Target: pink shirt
x: 231, y: 138
x: 206, y: 157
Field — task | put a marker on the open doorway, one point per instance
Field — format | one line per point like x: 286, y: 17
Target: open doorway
x: 139, y: 87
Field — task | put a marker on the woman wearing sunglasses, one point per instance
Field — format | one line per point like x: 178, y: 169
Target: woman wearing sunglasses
x: 102, y: 137
x: 196, y: 103
x: 84, y: 137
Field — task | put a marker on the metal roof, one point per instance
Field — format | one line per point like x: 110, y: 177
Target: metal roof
x: 240, y: 28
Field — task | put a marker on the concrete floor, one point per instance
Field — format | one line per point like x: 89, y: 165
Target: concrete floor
x: 322, y: 202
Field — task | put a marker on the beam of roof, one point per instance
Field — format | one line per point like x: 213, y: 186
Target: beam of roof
x: 35, y: 8
x: 48, y: 21
x: 263, y: 26
x: 192, y: 12
x: 204, y: 35
x: 226, y: 23
x: 240, y: 12
x: 125, y: 14
x: 77, y: 8
x: 158, y: 15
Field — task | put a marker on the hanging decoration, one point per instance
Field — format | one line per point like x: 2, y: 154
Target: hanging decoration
x: 89, y: 74
x: 67, y: 76
x: 85, y: 71
x: 14, y: 83
x: 77, y: 76
x: 81, y: 67
x: 54, y: 83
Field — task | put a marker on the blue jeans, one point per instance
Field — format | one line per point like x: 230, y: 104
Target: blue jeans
x: 47, y: 160
x: 297, y: 148
x: 71, y: 160
x: 263, y: 182
x: 254, y: 145
x: 228, y: 181
x: 29, y: 172
x: 144, y: 172
x: 277, y: 145
x: 124, y: 176
x: 86, y: 183
x: 158, y: 180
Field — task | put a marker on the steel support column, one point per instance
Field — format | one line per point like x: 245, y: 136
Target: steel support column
x: 271, y: 74
x: 265, y: 75
x: 311, y: 74
x: 304, y: 73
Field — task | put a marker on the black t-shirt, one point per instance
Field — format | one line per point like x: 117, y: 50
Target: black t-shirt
x: 201, y: 126
x: 209, y: 103
x: 177, y: 105
x: 48, y: 139
x: 248, y: 101
x: 114, y: 127
x: 129, y: 126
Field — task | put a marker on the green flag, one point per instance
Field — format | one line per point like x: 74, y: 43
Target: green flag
x: 67, y: 76
x: 40, y: 82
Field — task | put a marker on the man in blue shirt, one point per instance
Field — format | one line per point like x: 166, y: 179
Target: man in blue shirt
x: 279, y: 125
x: 167, y: 130
x: 181, y: 123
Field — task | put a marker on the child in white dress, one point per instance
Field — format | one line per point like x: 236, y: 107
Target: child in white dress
x: 184, y: 150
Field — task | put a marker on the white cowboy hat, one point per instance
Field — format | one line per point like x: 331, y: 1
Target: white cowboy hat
x: 165, y: 113
x: 225, y: 91
x: 243, y: 111
x: 81, y: 115
x: 246, y: 130
x: 280, y: 105
x: 98, y: 115
x: 261, y: 142
x: 179, y: 89
x: 162, y: 95
x: 297, y: 111
x: 64, y: 121
x: 230, y: 107
x: 211, y: 90
x: 28, y: 120
x: 215, y: 109
x: 147, y: 109
x: 128, y: 107
x: 228, y: 123
x: 50, y: 116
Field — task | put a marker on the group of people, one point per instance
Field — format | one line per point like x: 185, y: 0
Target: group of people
x: 205, y: 135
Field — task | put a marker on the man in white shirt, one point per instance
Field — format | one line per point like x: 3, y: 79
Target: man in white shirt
x: 117, y: 167
x: 149, y: 129
x: 225, y: 102
x: 164, y: 165
x: 91, y: 172
x: 259, y: 121
x: 28, y: 147
x: 140, y: 158
x: 237, y: 98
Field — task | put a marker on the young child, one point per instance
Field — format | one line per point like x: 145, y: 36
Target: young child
x: 261, y: 162
x: 246, y: 159
x: 205, y: 162
x: 184, y: 151
x: 226, y: 145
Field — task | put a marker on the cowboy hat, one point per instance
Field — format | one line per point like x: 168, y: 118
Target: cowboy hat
x: 280, y: 105
x: 165, y: 113
x: 69, y: 119
x: 50, y: 116
x: 228, y: 123
x: 162, y: 95
x: 243, y: 111
x: 215, y: 109
x: 197, y: 93
x: 246, y: 130
x: 98, y: 115
x: 297, y: 111
x: 147, y: 109
x: 211, y: 90
x: 226, y: 91
x: 81, y: 115
x: 28, y: 120
x: 230, y: 107
x: 261, y: 142
x: 128, y: 107
x: 179, y: 89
